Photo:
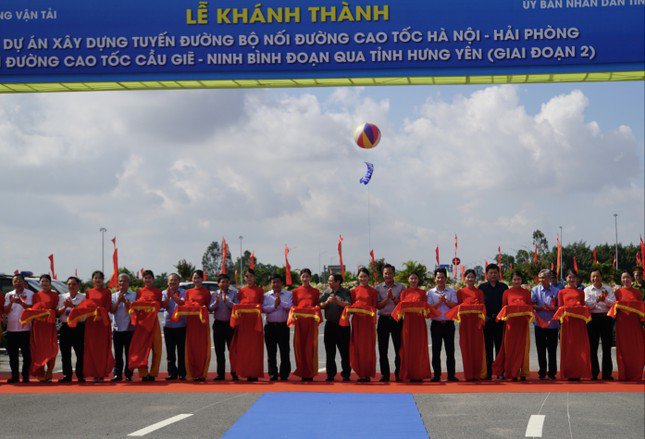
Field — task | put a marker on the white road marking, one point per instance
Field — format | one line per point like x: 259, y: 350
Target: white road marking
x: 161, y: 424
x: 569, y: 417
x: 534, y: 427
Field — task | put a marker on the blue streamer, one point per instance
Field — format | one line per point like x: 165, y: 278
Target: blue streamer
x: 368, y: 174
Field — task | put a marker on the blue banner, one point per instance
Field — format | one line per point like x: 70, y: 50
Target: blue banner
x: 166, y: 40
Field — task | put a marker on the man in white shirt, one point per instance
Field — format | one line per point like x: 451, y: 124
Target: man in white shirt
x: 71, y: 338
x: 442, y: 330
x: 15, y: 303
x: 599, y: 298
x: 276, y: 306
x: 122, y: 328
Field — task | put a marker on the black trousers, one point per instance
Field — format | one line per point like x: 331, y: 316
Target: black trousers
x: 222, y: 336
x: 121, y: 348
x: 337, y: 337
x: 276, y: 336
x: 175, y: 339
x: 18, y: 342
x: 600, y: 329
x: 443, y: 332
x: 493, y: 334
x: 72, y: 338
x: 388, y: 327
x: 546, y: 342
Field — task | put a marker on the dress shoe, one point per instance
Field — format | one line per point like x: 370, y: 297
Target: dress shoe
x: 13, y: 380
x: 182, y: 378
x: 608, y: 378
x: 234, y: 377
x: 284, y: 378
x: 346, y: 379
x: 363, y: 380
x: 416, y: 381
x: 219, y: 378
x: 573, y: 379
x: 116, y: 378
x: 199, y: 379
x: 454, y: 379
x: 329, y: 379
x: 171, y: 377
x: 522, y: 378
x: 251, y: 379
x: 80, y: 380
x: 384, y: 380
x: 65, y: 380
x: 307, y: 380
x: 542, y: 377
x: 273, y: 378
x: 25, y: 380
x: 551, y: 378
x: 435, y: 379
x: 128, y: 378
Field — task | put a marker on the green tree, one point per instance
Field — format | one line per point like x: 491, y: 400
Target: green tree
x: 540, y: 241
x: 212, y: 260
x: 184, y: 269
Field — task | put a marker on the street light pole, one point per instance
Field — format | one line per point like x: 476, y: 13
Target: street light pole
x: 103, y: 230
x: 616, y: 229
x: 241, y: 265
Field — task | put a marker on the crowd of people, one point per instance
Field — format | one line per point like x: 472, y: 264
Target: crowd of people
x: 114, y: 333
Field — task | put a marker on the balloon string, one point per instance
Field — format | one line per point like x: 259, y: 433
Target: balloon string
x: 369, y: 224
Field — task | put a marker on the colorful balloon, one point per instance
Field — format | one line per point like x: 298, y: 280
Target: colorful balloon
x: 367, y: 135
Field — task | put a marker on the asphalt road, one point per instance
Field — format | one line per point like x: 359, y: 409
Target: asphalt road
x: 211, y: 414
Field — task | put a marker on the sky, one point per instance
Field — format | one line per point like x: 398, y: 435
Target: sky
x: 167, y: 172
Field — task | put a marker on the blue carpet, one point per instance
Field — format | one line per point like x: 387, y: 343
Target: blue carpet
x: 330, y: 415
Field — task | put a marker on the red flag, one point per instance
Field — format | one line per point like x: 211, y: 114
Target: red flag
x: 535, y: 255
x: 204, y: 270
x: 614, y: 263
x: 642, y: 252
x: 114, y: 280
x: 51, y: 265
x: 511, y: 266
x: 76, y: 272
x: 639, y: 263
x: 575, y: 264
x: 330, y: 272
x: 485, y: 267
x: 224, y: 254
x: 595, y: 256
x: 558, y: 267
x: 287, y: 275
x: 252, y: 260
x: 113, y: 241
x: 16, y: 272
x: 436, y: 254
x: 373, y: 264
x: 499, y: 259
x: 340, y: 255
x: 456, y: 245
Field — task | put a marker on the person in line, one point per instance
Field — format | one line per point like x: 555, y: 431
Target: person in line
x: 71, y: 338
x: 629, y: 314
x: 43, y: 336
x: 599, y: 298
x: 493, y: 291
x: 222, y: 303
x: 305, y: 300
x: 15, y: 302
x: 413, y: 309
x: 387, y: 328
x: 174, y: 332
x: 575, y: 362
x: 362, y: 347
x: 276, y: 306
x: 545, y: 302
x: 517, y: 311
x: 98, y: 360
x: 247, y: 346
x: 442, y: 329
x: 198, y: 345
x: 147, y: 331
x: 471, y: 334
x: 122, y: 328
x: 639, y: 283
x: 333, y: 301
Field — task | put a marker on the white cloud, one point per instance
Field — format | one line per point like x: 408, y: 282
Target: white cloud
x: 169, y: 172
